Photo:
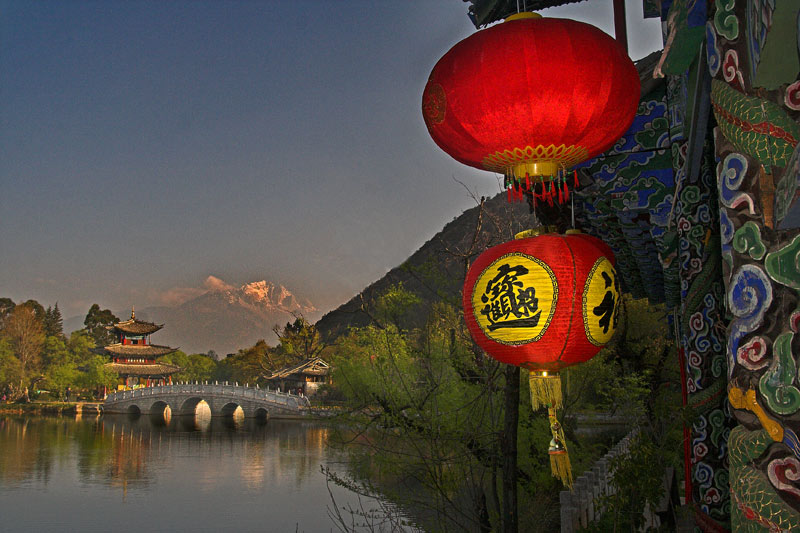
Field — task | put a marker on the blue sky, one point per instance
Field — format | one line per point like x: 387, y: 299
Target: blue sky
x: 145, y: 145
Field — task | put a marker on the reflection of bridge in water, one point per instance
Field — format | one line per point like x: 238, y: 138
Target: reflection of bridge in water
x: 222, y: 400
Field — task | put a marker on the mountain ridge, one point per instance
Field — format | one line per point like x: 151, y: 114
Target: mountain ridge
x: 437, y: 269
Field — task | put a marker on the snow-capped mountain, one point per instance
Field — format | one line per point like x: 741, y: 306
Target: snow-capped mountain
x: 227, y: 318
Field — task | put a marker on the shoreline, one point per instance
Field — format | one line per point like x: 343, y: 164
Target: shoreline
x: 51, y: 408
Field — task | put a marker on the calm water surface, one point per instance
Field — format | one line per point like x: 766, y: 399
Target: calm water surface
x: 120, y: 474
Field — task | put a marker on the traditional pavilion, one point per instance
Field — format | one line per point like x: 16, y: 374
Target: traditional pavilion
x: 305, y: 377
x: 134, y: 357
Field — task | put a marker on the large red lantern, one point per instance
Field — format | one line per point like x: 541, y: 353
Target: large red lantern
x: 531, y: 97
x: 544, y: 303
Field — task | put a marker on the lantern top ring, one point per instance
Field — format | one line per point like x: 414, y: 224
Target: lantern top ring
x: 523, y: 15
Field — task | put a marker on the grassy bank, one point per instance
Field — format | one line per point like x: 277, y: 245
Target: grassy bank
x: 50, y: 408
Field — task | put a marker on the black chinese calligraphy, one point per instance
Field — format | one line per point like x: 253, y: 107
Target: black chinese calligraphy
x: 608, y: 309
x: 508, y: 303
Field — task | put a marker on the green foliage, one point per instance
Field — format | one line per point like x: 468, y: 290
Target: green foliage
x: 194, y: 367
x: 59, y: 363
x: 97, y: 321
x: 11, y: 373
x: 246, y: 366
x: 81, y: 344
x: 641, y: 381
x: 396, y: 306
x: 427, y: 408
x: 59, y: 377
x: 95, y: 374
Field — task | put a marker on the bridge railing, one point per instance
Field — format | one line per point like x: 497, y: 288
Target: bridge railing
x: 234, y: 390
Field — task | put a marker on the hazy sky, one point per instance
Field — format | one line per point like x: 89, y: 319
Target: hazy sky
x: 145, y: 145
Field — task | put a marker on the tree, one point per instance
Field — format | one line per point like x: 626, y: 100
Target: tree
x: 97, y: 323
x: 246, y: 366
x: 10, y: 369
x: 59, y: 365
x: 6, y: 306
x: 53, y: 323
x: 95, y: 373
x: 26, y: 334
x: 299, y: 341
x: 427, y: 409
x: 194, y: 367
x: 37, y: 308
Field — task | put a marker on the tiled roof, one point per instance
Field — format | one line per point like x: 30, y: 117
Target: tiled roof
x: 134, y: 350
x: 150, y: 369
x: 137, y: 327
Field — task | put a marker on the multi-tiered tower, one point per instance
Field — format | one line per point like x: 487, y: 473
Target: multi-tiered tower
x: 134, y: 357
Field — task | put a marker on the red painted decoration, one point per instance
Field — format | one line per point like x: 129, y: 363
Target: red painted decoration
x: 542, y: 302
x: 531, y: 97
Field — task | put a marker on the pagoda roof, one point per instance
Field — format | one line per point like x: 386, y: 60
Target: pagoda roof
x: 137, y: 327
x: 141, y: 350
x: 143, y: 369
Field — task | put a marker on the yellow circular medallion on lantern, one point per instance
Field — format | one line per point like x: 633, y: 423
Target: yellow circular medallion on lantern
x: 601, y: 302
x: 514, y: 299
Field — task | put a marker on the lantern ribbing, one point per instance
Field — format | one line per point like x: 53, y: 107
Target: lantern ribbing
x: 531, y: 97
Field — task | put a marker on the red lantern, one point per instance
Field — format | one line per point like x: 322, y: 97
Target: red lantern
x: 531, y: 97
x: 544, y: 303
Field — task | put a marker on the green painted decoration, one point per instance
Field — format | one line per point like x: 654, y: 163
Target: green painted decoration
x: 747, y: 239
x: 759, y: 128
x: 784, y: 265
x: 776, y: 385
x: 725, y: 20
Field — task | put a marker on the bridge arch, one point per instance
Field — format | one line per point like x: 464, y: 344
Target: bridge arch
x: 134, y: 410
x: 160, y: 412
x: 233, y: 410
x: 190, y: 405
x: 261, y: 414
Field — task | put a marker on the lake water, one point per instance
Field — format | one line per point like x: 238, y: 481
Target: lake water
x: 119, y: 474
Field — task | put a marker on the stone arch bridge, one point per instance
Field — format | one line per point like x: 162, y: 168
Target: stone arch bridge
x: 222, y: 399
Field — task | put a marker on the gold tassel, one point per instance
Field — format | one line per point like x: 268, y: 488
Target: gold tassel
x: 561, y: 467
x: 559, y: 457
x: 545, y: 389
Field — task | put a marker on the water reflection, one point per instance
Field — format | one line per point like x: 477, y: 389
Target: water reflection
x: 199, y: 470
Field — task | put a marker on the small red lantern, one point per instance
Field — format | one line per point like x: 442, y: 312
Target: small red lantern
x: 530, y: 97
x: 544, y: 303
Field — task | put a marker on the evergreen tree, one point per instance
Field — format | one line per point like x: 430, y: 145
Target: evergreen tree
x: 53, y: 323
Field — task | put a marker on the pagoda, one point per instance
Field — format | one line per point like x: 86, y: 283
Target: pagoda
x: 134, y: 357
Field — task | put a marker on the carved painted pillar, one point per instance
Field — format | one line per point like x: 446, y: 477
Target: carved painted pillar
x: 702, y: 341
x: 752, y: 55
